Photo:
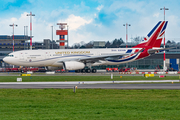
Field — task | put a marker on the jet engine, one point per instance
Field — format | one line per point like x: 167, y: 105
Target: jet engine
x: 73, y: 65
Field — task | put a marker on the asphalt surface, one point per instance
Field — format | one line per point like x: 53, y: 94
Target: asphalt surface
x: 80, y: 74
x: 60, y: 85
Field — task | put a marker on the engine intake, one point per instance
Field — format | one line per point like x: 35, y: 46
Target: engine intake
x: 73, y: 65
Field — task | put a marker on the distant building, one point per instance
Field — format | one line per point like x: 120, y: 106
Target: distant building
x: 6, y: 42
x: 99, y: 44
x: 48, y: 44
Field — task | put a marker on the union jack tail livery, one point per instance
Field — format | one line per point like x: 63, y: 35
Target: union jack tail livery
x: 155, y: 36
x: 152, y: 41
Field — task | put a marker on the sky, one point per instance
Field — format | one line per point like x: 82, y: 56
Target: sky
x: 89, y: 20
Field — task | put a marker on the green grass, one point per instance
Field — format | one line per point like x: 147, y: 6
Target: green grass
x: 80, y: 78
x: 89, y: 104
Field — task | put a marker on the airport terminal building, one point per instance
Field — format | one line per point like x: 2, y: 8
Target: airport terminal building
x: 151, y: 62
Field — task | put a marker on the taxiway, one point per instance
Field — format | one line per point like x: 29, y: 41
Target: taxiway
x: 165, y: 84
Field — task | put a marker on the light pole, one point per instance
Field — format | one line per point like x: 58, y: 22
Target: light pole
x: 164, y: 63
x: 67, y: 37
x: 52, y: 37
x: 25, y: 35
x: 30, y: 28
x: 126, y: 36
x: 12, y: 25
x: 126, y: 32
x: 27, y: 30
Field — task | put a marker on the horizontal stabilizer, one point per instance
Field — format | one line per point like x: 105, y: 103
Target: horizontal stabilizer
x: 154, y: 51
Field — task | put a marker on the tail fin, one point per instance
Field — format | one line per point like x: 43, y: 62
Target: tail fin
x: 155, y: 36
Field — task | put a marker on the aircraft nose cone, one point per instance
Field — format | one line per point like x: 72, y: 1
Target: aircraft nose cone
x: 6, y: 59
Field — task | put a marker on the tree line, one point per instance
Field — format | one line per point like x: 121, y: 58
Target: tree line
x: 116, y: 43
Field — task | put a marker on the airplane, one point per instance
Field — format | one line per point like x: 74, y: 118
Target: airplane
x: 82, y: 60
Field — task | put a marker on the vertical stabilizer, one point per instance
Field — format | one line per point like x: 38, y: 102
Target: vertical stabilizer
x: 155, y: 36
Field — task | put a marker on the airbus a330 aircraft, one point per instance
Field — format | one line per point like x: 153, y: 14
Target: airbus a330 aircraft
x: 78, y: 59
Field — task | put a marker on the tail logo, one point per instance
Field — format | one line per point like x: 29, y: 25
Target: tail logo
x: 155, y: 36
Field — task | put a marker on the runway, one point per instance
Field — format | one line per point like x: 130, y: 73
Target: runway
x: 169, y: 84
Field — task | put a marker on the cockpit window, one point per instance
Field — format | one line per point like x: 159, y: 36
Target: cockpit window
x: 10, y: 55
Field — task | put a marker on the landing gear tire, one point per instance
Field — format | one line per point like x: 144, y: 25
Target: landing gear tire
x: 88, y: 70
x: 83, y: 71
x: 94, y: 70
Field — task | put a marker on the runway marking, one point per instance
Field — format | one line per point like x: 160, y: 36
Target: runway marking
x: 94, y: 82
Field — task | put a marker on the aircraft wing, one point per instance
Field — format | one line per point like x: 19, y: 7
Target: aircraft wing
x: 100, y: 57
x: 92, y: 59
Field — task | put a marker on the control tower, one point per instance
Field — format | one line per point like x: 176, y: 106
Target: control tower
x: 62, y: 34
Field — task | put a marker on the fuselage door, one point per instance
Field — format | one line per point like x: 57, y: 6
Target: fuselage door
x: 21, y: 56
x: 46, y: 55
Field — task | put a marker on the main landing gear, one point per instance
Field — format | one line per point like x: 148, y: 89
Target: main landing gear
x: 88, y: 70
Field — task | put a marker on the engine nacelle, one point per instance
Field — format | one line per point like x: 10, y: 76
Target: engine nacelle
x: 73, y: 65
x: 54, y: 68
